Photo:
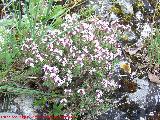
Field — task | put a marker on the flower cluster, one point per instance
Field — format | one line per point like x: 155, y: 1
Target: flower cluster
x: 68, y: 53
x: 30, y: 46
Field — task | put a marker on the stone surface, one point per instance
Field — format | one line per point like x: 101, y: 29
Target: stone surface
x: 20, y: 105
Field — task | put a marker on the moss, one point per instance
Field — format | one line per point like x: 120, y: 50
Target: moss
x: 127, y: 18
x: 157, y: 13
x: 87, y: 12
x: 117, y: 10
x: 152, y: 2
x: 138, y: 6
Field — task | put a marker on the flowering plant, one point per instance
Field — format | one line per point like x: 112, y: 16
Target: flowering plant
x: 77, y: 61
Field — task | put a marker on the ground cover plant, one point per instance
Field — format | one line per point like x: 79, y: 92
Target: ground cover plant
x: 63, y: 61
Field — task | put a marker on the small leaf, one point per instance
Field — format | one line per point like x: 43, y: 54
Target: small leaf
x: 57, y: 109
x: 58, y: 22
x: 77, y: 70
x: 57, y: 11
x: 99, y: 74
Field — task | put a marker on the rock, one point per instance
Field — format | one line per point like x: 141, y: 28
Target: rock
x: 140, y: 95
x: 25, y: 104
x: 18, y: 105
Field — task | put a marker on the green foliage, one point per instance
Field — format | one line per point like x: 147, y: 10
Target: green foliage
x: 18, y: 90
x: 57, y: 11
x: 57, y: 109
x: 40, y: 102
x: 87, y: 12
x: 154, y: 49
x: 47, y: 83
x: 58, y: 22
x: 77, y: 70
x: 99, y: 74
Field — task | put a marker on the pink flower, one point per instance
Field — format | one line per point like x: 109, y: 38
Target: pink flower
x: 53, y: 69
x: 59, y: 81
x: 99, y: 93
x: 79, y: 60
x: 46, y: 69
x: 53, y: 75
x: 60, y: 52
x: 97, y: 44
x: 105, y: 83
x: 50, y: 46
x: 85, y: 50
x: 39, y: 57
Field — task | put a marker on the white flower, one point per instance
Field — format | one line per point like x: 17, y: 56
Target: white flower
x: 30, y: 62
x: 39, y: 57
x: 68, y: 18
x: 60, y: 52
x: 81, y: 91
x: 105, y: 83
x: 85, y: 50
x: 112, y: 83
x: 59, y: 81
x: 139, y: 15
x: 63, y: 101
x: 99, y: 93
x: 68, y: 116
x: 69, y: 77
x: 113, y: 16
x: 75, y: 16
x: 68, y: 91
x: 92, y: 71
x: 99, y: 100
x: 127, y: 7
x: 64, y: 61
x: 58, y: 58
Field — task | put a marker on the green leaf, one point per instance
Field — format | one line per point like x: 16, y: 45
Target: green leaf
x: 53, y: 94
x: 99, y: 74
x: 77, y: 70
x: 47, y: 83
x: 57, y: 109
x: 40, y: 102
x: 7, y: 22
x: 57, y: 11
x: 58, y: 22
x: 95, y: 63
